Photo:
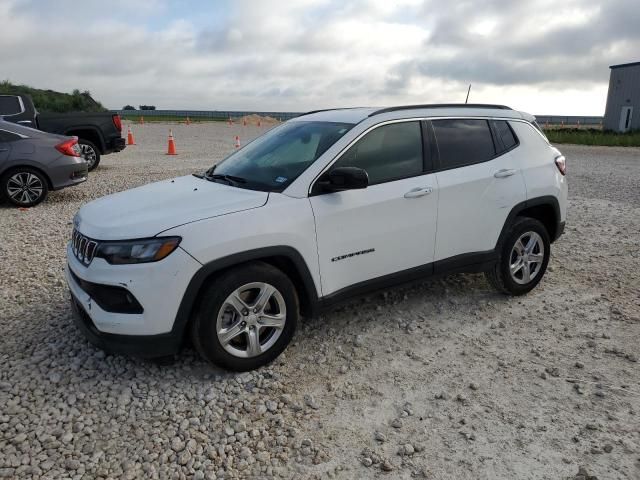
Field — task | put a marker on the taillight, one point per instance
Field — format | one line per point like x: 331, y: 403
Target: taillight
x: 69, y: 147
x: 117, y: 122
x: 561, y: 163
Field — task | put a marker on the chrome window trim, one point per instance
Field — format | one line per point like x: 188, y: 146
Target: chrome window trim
x: 415, y: 119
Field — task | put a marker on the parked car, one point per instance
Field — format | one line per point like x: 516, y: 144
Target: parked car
x: 33, y: 162
x: 326, y: 206
x: 99, y: 133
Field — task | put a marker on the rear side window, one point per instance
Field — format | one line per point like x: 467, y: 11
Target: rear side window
x: 463, y: 142
x: 505, y: 135
x: 390, y: 152
x: 8, y: 136
x: 9, y: 105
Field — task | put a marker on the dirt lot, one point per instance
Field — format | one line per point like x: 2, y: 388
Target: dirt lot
x: 444, y: 379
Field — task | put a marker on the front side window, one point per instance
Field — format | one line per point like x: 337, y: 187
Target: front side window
x: 387, y: 153
x: 274, y: 160
x: 463, y: 142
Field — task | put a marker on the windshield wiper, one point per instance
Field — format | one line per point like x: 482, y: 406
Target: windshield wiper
x: 209, y: 175
x: 228, y: 178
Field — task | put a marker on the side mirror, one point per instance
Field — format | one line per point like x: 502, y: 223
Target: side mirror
x: 344, y: 178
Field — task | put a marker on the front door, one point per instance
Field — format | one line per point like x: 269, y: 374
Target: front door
x: 625, y: 119
x: 388, y: 227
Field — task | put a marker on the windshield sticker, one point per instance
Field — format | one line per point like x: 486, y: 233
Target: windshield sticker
x: 281, y: 179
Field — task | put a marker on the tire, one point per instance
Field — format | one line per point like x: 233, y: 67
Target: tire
x: 90, y: 153
x: 512, y: 253
x: 24, y: 187
x: 223, y: 328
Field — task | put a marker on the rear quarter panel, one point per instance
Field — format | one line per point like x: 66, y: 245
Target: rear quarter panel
x: 536, y: 157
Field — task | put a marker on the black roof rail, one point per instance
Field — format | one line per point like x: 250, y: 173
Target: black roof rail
x: 329, y: 110
x: 441, y: 105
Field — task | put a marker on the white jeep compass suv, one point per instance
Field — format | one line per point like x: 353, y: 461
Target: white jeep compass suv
x: 325, y: 206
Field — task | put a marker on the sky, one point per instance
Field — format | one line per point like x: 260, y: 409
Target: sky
x: 540, y: 56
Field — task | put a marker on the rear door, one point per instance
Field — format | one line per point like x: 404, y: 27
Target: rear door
x: 479, y: 180
x: 388, y: 227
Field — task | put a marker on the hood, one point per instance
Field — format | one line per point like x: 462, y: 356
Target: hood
x: 148, y: 210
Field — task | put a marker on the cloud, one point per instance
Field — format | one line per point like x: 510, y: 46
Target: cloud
x: 537, y: 55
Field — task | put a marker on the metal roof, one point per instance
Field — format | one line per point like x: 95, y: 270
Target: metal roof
x: 621, y: 65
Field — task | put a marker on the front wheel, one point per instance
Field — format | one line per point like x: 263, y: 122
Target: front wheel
x: 246, y: 318
x: 90, y: 153
x: 523, y: 258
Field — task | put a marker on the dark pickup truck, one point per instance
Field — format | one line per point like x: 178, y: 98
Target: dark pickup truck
x: 99, y: 133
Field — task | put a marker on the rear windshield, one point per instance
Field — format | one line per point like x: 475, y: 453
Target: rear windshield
x: 9, y: 105
x: 274, y: 160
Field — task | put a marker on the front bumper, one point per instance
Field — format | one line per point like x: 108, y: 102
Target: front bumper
x: 146, y: 346
x: 158, y: 287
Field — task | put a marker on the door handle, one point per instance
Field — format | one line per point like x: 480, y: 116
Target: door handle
x: 418, y: 192
x: 4, y: 149
x: 504, y: 173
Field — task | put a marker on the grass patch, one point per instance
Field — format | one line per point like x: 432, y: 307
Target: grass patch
x: 592, y: 136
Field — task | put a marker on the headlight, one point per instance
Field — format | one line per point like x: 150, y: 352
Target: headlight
x: 137, y: 251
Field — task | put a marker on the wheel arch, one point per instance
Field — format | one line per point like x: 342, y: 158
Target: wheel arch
x: 545, y: 209
x: 287, y: 259
x: 15, y: 167
x: 88, y: 133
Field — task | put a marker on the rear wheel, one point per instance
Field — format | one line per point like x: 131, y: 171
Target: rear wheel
x: 524, y: 255
x: 90, y: 153
x: 246, y: 318
x: 24, y: 187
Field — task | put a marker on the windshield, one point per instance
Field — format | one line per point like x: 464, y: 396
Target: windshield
x: 274, y: 160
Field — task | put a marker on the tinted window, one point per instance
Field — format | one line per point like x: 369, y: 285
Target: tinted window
x: 387, y: 153
x: 505, y: 134
x: 9, y: 105
x: 463, y: 142
x: 8, y: 136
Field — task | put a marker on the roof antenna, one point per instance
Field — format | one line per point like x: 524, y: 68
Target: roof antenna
x: 468, y: 91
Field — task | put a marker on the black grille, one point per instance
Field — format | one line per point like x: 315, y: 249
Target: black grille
x: 83, y: 247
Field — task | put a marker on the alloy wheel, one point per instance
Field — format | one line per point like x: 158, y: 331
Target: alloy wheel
x: 88, y: 153
x: 527, y: 256
x: 251, y: 320
x: 24, y: 188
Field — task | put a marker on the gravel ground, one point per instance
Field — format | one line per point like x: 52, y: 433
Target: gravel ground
x: 444, y: 379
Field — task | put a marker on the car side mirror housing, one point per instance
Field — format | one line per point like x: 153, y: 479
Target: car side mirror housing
x: 343, y: 178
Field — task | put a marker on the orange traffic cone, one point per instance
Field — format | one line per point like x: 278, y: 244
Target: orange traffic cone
x: 130, y: 139
x: 141, y: 120
x: 237, y: 141
x: 171, y: 149
x: 188, y: 122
